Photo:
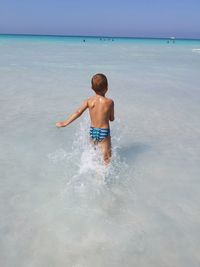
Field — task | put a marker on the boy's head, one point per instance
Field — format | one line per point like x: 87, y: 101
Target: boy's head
x: 99, y: 83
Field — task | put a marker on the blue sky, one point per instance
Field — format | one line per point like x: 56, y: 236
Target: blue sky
x: 156, y: 18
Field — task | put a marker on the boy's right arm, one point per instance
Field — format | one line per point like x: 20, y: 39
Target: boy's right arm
x: 112, y: 116
x: 74, y: 116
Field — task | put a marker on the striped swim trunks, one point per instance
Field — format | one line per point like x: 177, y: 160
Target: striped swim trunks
x: 98, y: 134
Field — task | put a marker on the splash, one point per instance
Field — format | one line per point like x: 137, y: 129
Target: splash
x: 84, y: 163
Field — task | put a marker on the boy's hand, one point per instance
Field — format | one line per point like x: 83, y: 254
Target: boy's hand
x: 59, y: 124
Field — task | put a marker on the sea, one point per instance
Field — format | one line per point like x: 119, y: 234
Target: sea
x: 60, y: 206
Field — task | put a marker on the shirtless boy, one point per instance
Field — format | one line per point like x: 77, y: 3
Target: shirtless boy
x: 101, y: 111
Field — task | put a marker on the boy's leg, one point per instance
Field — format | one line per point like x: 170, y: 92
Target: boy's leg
x: 105, y: 146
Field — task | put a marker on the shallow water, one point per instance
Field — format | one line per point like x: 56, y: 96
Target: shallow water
x: 59, y: 205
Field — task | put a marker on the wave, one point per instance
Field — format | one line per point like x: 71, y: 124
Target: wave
x: 196, y: 50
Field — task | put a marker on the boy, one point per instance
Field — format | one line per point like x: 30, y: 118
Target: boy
x: 101, y: 111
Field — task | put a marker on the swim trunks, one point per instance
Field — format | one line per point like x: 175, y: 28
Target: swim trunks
x: 98, y: 134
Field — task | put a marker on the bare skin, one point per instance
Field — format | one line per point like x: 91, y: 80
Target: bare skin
x: 101, y: 111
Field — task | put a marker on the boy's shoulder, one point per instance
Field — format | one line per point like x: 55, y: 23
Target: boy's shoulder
x: 106, y: 100
x: 90, y: 98
x: 110, y: 100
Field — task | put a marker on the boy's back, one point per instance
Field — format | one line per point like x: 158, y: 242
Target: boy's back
x: 101, y: 111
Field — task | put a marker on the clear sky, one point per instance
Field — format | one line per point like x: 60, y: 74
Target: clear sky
x: 142, y: 18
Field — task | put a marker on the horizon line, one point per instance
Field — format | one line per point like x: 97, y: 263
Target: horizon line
x: 101, y: 36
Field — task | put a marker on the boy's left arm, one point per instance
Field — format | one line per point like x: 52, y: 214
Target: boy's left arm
x: 112, y: 116
x: 74, y: 116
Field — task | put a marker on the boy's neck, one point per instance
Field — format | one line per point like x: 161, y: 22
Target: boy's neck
x: 101, y: 94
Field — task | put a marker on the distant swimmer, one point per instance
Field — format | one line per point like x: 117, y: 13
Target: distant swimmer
x: 83, y: 40
x: 101, y: 110
x: 173, y: 39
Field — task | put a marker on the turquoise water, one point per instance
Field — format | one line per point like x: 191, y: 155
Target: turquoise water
x: 98, y: 39
x: 59, y: 205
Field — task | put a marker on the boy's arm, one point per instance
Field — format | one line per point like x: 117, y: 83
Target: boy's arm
x: 74, y: 116
x: 112, y: 116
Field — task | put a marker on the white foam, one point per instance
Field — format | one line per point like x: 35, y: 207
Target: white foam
x: 196, y: 50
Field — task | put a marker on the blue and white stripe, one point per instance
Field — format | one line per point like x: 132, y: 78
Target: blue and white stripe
x: 98, y: 134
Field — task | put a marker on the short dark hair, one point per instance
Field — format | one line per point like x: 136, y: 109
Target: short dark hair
x: 99, y: 82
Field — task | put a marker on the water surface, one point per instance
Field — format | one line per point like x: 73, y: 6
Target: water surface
x: 59, y: 205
